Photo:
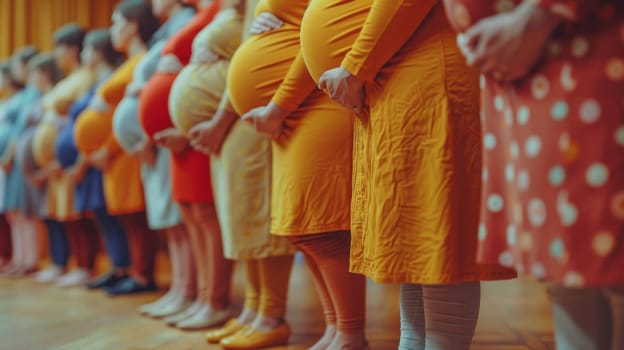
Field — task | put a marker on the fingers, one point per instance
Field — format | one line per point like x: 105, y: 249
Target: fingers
x: 265, y: 22
x: 322, y: 84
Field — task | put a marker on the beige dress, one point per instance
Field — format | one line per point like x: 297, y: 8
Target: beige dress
x: 241, y: 173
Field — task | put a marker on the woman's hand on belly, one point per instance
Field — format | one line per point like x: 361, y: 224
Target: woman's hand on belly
x: 172, y: 139
x: 204, y: 56
x: 169, y: 64
x: 265, y: 22
x: 509, y: 45
x: 77, y: 172
x: 344, y: 88
x: 146, y: 152
x: 267, y: 119
x: 208, y: 136
x: 100, y: 159
x: 53, y: 170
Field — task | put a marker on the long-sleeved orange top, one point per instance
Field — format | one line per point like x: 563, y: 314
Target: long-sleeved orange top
x: 417, y: 158
x: 55, y: 106
x: 93, y: 131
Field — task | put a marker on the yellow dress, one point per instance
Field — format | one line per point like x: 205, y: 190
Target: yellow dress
x: 56, y: 104
x: 241, y: 179
x: 417, y: 155
x: 311, y: 180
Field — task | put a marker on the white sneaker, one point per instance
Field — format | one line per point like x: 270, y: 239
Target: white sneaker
x: 48, y: 275
x: 75, y: 278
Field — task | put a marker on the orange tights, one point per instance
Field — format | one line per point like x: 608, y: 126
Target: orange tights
x: 266, y: 291
x: 343, y: 294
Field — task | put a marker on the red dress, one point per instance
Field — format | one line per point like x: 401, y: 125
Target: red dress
x: 190, y: 170
x: 553, y: 200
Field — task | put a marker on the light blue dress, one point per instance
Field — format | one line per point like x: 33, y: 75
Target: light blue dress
x: 162, y: 211
x: 18, y: 194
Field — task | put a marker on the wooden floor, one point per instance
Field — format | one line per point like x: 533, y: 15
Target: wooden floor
x: 514, y: 316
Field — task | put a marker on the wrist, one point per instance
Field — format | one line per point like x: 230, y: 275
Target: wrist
x: 538, y: 16
x: 277, y: 111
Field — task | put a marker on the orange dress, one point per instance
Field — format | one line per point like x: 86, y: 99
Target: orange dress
x: 417, y: 155
x: 56, y: 104
x: 311, y: 165
x: 123, y: 188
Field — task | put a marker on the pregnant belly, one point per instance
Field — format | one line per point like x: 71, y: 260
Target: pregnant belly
x: 44, y: 142
x: 196, y: 94
x: 153, y: 103
x: 126, y: 127
x: 328, y: 30
x: 259, y: 67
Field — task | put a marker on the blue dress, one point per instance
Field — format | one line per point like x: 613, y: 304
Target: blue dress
x: 89, y: 194
x: 18, y: 194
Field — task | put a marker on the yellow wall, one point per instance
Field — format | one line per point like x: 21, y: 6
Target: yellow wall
x: 24, y: 22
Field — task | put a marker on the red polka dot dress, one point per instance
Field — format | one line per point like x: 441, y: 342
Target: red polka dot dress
x: 553, y: 175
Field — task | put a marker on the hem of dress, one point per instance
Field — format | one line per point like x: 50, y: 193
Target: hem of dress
x: 411, y: 278
x: 310, y: 230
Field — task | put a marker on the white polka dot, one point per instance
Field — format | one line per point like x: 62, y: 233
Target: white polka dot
x: 559, y: 110
x: 482, y: 82
x: 537, y: 212
x: 514, y: 149
x: 619, y: 136
x: 540, y: 87
x: 523, y: 115
x: 499, y: 103
x: 485, y: 175
x: 482, y: 232
x: 495, y: 203
x: 615, y: 69
x: 568, y: 214
x: 573, y: 280
x: 597, y: 175
x: 533, y: 146
x: 603, y: 243
x: 557, y: 249
x: 556, y: 176
x: 510, y: 172
x: 506, y: 259
x: 511, y: 235
x: 580, y: 46
x: 489, y: 141
x: 590, y: 111
x: 538, y: 271
x: 524, y: 180
x: 566, y: 78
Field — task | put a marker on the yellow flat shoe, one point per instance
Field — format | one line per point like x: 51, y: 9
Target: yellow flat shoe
x: 252, y: 339
x: 232, y: 326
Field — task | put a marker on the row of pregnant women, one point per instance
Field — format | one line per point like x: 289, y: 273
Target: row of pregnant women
x: 393, y: 194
